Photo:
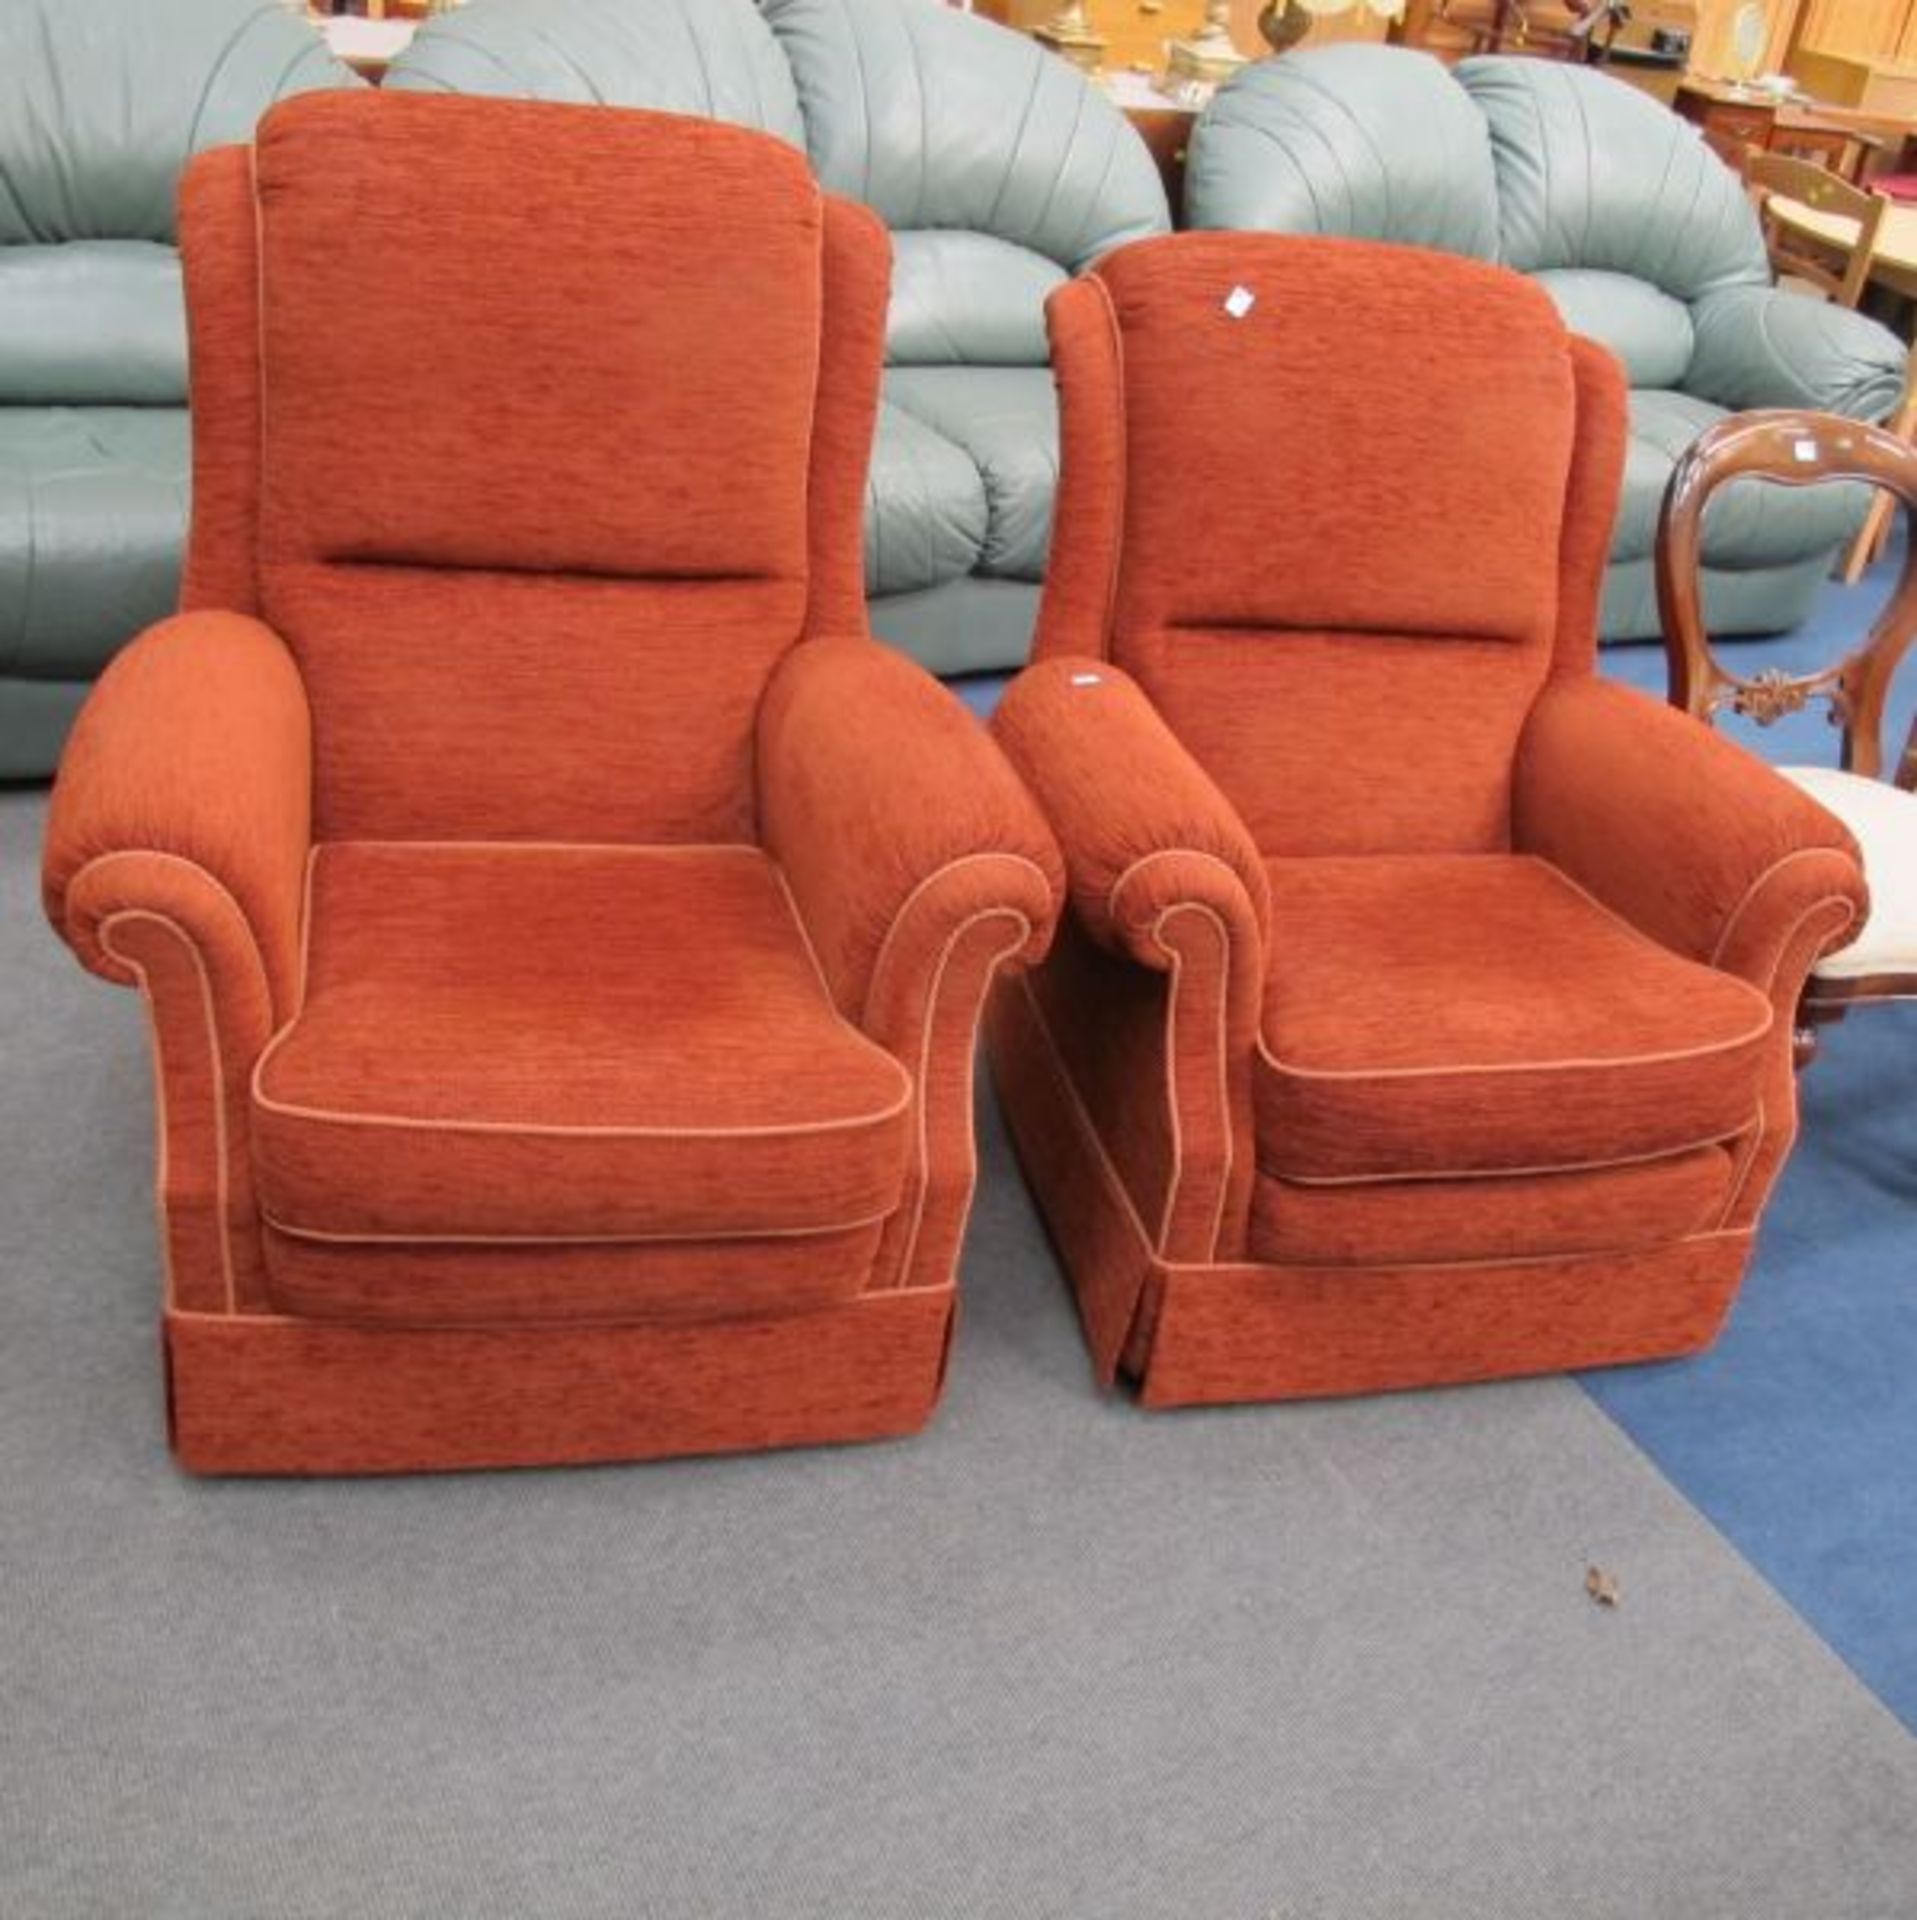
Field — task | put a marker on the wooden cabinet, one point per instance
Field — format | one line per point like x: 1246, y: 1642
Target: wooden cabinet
x: 1730, y: 121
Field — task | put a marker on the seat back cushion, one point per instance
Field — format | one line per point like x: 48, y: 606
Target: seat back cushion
x: 101, y: 106
x: 1647, y: 329
x: 92, y: 323
x: 949, y: 126
x: 1377, y: 143
x: 535, y: 587
x: 1345, y: 470
x: 1593, y: 173
x: 710, y: 58
x: 967, y: 299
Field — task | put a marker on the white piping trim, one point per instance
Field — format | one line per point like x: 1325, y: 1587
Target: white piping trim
x: 927, y: 1032
x: 216, y: 1062
x: 723, y: 1235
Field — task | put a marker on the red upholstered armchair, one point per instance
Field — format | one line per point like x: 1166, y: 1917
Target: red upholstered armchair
x: 564, y: 928
x: 1423, y: 1007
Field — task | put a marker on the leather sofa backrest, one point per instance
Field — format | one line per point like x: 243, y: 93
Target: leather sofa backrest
x: 1334, y: 566
x: 102, y: 102
x: 1372, y: 142
x: 998, y: 167
x: 711, y: 58
x: 544, y: 601
x: 1595, y: 175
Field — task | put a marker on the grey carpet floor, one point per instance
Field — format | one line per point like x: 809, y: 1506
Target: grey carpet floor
x: 1054, y: 1658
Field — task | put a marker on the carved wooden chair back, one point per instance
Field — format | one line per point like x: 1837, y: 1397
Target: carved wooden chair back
x: 1873, y: 794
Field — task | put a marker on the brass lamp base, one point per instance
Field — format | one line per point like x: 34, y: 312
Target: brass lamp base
x: 1202, y: 59
x: 1071, y: 35
x: 1208, y: 56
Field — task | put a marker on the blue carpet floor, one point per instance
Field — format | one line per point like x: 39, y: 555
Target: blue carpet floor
x: 1797, y: 1435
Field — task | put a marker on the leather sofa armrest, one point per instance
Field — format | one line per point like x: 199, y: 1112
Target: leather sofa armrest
x: 185, y: 796
x: 1765, y: 347
x: 1694, y: 841
x: 895, y: 820
x: 1144, y: 830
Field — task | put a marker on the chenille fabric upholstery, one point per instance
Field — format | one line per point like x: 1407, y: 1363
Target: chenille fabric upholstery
x: 564, y: 927
x: 999, y: 171
x: 1422, y: 1007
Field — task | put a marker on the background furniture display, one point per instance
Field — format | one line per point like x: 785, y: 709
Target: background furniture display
x: 999, y: 169
x: 1732, y: 118
x: 1834, y: 270
x: 1422, y: 1010
x: 564, y: 1053
x: 1875, y: 799
x: 1892, y: 258
x: 1642, y: 237
x: 1646, y: 44
x: 100, y: 106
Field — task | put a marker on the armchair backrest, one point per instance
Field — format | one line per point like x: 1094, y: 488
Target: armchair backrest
x: 999, y: 167
x: 1341, y: 508
x: 102, y: 103
x: 535, y: 584
x: 713, y: 58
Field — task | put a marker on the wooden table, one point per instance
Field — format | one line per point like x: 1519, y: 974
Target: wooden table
x: 1732, y: 118
x: 1894, y: 260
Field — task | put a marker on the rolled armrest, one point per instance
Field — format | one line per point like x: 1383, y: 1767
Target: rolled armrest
x: 893, y: 817
x: 184, y: 794
x: 1684, y: 834
x: 1764, y: 347
x: 1144, y: 829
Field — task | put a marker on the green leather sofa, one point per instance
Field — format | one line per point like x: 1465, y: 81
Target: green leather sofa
x: 1643, y: 237
x: 101, y: 102
x: 1000, y: 172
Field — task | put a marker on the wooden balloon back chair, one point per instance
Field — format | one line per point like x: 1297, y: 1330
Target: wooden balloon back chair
x: 1872, y: 793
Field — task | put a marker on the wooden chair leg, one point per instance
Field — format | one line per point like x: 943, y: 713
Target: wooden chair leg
x: 1872, y: 537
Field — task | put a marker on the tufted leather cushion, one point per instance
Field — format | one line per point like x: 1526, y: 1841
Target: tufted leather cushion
x: 102, y: 102
x: 712, y: 58
x: 92, y: 322
x: 1595, y: 174
x: 1317, y: 143
x: 1005, y: 421
x: 925, y: 507
x: 92, y: 515
x: 1648, y: 330
x: 936, y: 118
x: 1747, y: 524
x: 967, y: 299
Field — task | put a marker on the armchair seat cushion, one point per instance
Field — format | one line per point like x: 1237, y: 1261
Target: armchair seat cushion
x: 538, y: 1043
x: 1751, y: 525
x: 1005, y: 421
x: 92, y: 515
x: 1433, y: 1015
